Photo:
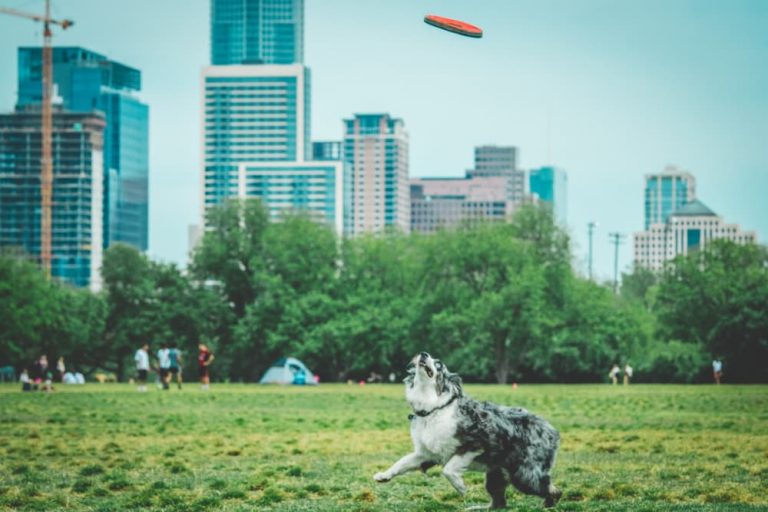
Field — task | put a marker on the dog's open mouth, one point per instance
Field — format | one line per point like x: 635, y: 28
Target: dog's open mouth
x: 422, y: 364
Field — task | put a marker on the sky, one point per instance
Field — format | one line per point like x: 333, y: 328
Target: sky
x: 609, y: 90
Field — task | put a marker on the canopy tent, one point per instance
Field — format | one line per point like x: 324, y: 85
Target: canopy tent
x: 288, y: 370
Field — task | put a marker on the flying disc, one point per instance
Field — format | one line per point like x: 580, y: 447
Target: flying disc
x: 455, y: 26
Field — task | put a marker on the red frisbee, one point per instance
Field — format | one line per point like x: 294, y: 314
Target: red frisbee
x: 456, y: 26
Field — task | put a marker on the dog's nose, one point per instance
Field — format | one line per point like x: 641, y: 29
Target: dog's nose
x: 424, y: 355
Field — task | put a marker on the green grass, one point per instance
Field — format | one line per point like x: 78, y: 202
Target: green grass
x: 247, y: 447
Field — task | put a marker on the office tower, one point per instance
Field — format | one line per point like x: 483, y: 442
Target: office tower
x: 685, y: 230
x: 375, y: 174
x: 257, y: 32
x: 550, y: 184
x: 326, y: 150
x: 257, y: 142
x: 439, y: 203
x: 85, y: 81
x: 77, y: 213
x: 667, y: 192
x: 500, y: 161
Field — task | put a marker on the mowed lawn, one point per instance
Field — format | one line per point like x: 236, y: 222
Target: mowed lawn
x: 246, y: 447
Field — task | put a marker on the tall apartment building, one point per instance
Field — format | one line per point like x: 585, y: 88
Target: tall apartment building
x: 667, y: 192
x: 685, y: 230
x: 86, y: 81
x: 440, y: 203
x: 550, y: 185
x: 77, y: 212
x: 376, y: 183
x: 257, y: 32
x: 493, y: 160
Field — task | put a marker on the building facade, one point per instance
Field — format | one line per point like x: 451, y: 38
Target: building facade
x: 251, y: 114
x: 440, y: 203
x: 667, y: 192
x: 85, y: 81
x: 491, y: 160
x: 550, y: 185
x: 326, y: 150
x: 257, y: 32
x: 376, y: 187
x: 687, y: 229
x: 77, y: 211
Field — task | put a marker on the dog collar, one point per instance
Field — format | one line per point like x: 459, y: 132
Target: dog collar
x: 427, y: 413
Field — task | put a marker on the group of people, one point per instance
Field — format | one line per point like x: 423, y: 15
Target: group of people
x: 615, y: 372
x: 168, y: 364
x: 42, y: 375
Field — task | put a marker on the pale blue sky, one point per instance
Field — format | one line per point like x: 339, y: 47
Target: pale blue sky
x: 607, y: 89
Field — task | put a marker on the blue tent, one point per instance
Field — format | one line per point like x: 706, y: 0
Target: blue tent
x: 288, y: 370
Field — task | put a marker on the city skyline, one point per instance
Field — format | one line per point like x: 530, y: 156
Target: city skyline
x: 610, y: 92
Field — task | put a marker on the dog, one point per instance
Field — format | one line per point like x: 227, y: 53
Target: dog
x: 448, y: 428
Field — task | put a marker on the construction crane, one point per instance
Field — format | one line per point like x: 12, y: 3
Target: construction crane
x: 46, y: 129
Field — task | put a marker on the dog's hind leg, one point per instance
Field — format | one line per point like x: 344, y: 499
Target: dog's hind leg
x: 553, y: 494
x: 496, y: 485
x: 408, y: 463
x: 455, y: 468
x: 536, y: 484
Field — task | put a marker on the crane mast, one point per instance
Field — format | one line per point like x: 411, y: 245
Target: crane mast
x: 46, y: 132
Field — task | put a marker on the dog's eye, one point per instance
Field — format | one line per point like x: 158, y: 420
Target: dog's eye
x: 438, y: 365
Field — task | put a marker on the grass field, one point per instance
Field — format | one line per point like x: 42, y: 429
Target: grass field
x: 245, y: 447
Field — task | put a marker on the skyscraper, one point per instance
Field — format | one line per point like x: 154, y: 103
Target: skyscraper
x: 257, y: 32
x: 85, y: 81
x: 550, y: 184
x: 77, y: 213
x: 688, y: 229
x: 377, y: 193
x: 493, y: 160
x: 667, y: 192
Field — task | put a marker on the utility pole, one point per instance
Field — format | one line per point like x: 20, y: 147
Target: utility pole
x: 46, y: 130
x: 590, y: 228
x: 616, y: 239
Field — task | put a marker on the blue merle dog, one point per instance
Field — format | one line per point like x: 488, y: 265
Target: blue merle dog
x: 511, y: 445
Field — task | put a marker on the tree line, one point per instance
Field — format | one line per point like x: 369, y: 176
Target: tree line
x: 498, y: 302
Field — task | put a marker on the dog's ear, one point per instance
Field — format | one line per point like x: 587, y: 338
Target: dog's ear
x: 410, y: 374
x: 455, y: 381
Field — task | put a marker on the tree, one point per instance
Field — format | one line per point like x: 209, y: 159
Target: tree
x: 717, y: 298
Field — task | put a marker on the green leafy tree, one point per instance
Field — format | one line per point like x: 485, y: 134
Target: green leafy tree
x: 717, y: 298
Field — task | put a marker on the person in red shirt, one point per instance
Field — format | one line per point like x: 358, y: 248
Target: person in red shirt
x: 204, y: 360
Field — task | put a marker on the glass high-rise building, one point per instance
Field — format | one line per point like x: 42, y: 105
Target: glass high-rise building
x: 550, y: 184
x: 77, y: 211
x: 666, y: 193
x: 257, y: 143
x: 376, y: 186
x: 85, y: 81
x: 257, y: 32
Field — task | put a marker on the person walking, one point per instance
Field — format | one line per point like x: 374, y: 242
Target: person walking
x: 614, y: 374
x: 717, y: 370
x: 204, y: 360
x: 175, y: 357
x: 142, y: 366
x: 627, y: 374
x: 164, y: 364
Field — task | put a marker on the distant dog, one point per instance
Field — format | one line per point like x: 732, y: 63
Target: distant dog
x: 511, y: 445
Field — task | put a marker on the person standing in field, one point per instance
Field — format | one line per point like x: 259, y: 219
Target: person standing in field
x: 142, y: 366
x: 614, y: 374
x: 61, y: 369
x: 717, y: 370
x: 627, y: 373
x: 164, y: 364
x: 174, y: 355
x: 204, y: 360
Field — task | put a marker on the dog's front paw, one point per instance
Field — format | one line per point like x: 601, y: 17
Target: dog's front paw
x: 382, y: 477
